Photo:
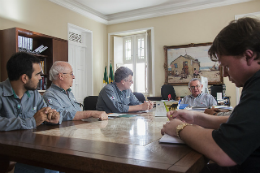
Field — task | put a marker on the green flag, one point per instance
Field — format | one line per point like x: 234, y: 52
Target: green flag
x: 111, y: 74
x: 105, y: 79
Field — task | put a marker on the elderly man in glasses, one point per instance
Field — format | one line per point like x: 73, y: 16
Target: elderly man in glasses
x: 60, y: 97
x: 197, y: 97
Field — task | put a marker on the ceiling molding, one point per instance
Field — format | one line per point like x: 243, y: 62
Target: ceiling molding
x: 83, y: 10
x: 144, y: 13
x: 254, y: 15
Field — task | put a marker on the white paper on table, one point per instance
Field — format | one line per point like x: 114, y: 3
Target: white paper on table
x: 170, y: 139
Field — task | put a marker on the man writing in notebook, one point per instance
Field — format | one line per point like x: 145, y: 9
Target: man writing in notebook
x: 232, y: 142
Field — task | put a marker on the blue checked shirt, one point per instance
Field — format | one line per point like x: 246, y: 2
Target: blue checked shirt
x: 112, y: 100
x: 202, y: 100
x: 64, y: 103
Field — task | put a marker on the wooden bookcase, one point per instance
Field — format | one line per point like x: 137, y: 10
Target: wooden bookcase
x: 57, y: 49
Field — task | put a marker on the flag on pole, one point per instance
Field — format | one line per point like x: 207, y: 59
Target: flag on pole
x: 105, y: 79
x: 111, y: 74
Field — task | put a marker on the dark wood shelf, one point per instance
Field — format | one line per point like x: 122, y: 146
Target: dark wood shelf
x: 57, y: 48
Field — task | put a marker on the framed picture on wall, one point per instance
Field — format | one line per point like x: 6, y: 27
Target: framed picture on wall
x: 184, y: 62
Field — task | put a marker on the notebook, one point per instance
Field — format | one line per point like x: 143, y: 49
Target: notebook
x: 170, y: 139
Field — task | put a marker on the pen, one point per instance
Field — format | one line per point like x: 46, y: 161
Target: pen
x: 167, y: 109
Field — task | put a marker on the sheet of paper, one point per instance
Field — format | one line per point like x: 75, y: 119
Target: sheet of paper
x: 219, y: 96
x: 114, y: 115
x: 121, y: 115
x: 160, y: 110
x: 170, y: 139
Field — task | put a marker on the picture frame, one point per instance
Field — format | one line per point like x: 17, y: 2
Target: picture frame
x: 184, y: 62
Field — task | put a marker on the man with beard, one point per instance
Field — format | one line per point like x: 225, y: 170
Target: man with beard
x: 21, y: 105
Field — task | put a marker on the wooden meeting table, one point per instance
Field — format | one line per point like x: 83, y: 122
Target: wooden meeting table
x: 114, y: 145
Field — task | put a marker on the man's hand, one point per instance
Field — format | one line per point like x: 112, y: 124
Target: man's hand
x: 53, y: 116
x: 41, y: 116
x: 101, y: 115
x: 150, y: 105
x: 147, y: 105
x: 183, y: 115
x: 170, y: 127
x: 212, y: 111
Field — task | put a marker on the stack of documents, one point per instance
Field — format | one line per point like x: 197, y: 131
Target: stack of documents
x: 224, y: 107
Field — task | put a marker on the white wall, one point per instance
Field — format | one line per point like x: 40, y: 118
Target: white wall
x: 185, y: 28
x: 51, y: 19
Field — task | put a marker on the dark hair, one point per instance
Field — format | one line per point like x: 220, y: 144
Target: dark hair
x: 122, y: 73
x: 19, y: 64
x: 236, y: 38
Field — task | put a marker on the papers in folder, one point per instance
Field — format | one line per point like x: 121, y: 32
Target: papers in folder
x: 202, y: 109
x: 224, y: 107
x: 170, y: 139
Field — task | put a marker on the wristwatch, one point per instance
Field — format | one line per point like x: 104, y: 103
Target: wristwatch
x: 180, y: 127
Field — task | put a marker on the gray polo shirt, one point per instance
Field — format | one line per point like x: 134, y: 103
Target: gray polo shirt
x: 64, y: 102
x: 112, y: 100
x: 18, y: 113
x: 202, y: 100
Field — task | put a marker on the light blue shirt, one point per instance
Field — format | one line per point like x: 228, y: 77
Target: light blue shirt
x: 202, y: 100
x: 112, y: 100
x: 63, y: 101
x: 18, y: 113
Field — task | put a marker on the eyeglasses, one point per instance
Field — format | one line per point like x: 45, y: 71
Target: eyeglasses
x: 193, y: 87
x: 129, y: 81
x: 69, y: 74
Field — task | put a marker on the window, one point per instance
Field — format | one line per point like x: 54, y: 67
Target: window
x: 176, y: 65
x: 134, y: 57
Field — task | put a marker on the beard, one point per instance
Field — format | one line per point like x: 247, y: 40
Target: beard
x: 29, y: 86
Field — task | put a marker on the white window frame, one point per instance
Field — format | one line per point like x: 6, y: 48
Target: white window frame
x: 135, y: 58
x: 110, y: 47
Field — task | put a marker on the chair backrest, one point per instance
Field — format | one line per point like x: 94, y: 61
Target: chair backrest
x: 166, y: 90
x: 139, y: 96
x: 90, y: 102
x: 154, y: 98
